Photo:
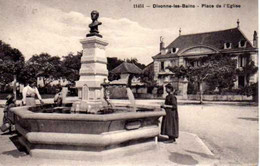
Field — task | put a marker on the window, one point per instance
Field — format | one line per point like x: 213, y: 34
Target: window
x: 241, y: 81
x: 167, y: 79
x: 174, y: 50
x: 162, y: 66
x: 173, y: 62
x: 242, y: 61
x: 192, y: 63
x: 242, y: 44
x: 227, y: 45
x: 196, y: 63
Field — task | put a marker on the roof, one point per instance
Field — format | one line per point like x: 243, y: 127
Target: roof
x: 214, y: 40
x: 149, y: 67
x: 127, y: 68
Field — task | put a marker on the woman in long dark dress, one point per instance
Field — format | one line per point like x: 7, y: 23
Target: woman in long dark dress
x: 170, y: 122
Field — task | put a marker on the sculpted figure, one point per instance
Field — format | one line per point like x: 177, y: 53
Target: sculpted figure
x: 94, y: 25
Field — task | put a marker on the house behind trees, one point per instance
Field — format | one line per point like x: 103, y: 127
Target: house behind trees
x: 186, y: 50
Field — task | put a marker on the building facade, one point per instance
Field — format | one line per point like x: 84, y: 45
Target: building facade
x: 187, y: 49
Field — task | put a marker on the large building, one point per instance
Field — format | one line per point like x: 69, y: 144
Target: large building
x: 185, y: 49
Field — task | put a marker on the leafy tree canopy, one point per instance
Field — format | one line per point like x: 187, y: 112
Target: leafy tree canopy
x: 43, y: 65
x: 11, y: 62
x: 71, y: 66
x: 113, y: 62
x: 135, y: 61
x: 148, y: 75
x: 217, y: 70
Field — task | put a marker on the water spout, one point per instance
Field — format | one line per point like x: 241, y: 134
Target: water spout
x: 131, y: 98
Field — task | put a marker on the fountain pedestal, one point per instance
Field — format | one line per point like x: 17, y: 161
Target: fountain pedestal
x: 93, y: 71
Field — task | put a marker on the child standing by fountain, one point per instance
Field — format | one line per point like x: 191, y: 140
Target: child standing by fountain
x: 170, y: 122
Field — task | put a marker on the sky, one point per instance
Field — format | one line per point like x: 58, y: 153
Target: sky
x: 56, y: 26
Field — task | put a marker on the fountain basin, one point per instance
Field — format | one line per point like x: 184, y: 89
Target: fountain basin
x: 86, y: 136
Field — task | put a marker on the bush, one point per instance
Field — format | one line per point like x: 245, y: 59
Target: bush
x: 211, y: 92
x: 48, y: 89
x: 249, y: 90
x: 192, y: 89
x: 160, y: 90
x: 150, y: 89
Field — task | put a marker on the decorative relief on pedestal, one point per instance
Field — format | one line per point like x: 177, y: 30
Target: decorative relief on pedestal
x: 85, y: 91
x: 91, y: 95
x: 98, y: 95
x: 80, y: 93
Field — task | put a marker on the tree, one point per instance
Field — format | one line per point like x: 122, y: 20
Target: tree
x: 147, y: 76
x: 223, y: 72
x: 248, y: 70
x: 70, y: 66
x: 44, y: 65
x: 251, y: 89
x: 218, y: 71
x: 11, y: 63
x: 113, y: 62
x: 135, y: 61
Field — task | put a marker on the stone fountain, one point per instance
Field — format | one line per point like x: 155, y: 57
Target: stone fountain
x: 82, y: 131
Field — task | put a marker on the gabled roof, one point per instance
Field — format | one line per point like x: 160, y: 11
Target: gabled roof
x: 127, y: 68
x: 149, y: 67
x: 214, y: 39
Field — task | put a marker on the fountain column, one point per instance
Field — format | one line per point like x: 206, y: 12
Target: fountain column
x: 93, y: 71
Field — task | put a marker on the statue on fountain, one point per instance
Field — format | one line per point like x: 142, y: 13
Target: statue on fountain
x: 94, y: 25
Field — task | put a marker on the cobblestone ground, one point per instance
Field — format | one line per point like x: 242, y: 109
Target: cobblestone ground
x: 230, y: 132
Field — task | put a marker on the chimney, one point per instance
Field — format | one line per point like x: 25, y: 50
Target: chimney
x: 180, y: 32
x: 238, y: 23
x: 255, y: 40
x: 161, y: 44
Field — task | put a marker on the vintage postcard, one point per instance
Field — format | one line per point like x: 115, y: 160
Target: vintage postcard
x: 129, y: 82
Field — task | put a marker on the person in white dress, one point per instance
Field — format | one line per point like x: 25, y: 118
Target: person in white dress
x: 29, y: 94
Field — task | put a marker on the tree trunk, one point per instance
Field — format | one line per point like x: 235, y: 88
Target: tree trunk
x: 14, y: 88
x: 201, y: 95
